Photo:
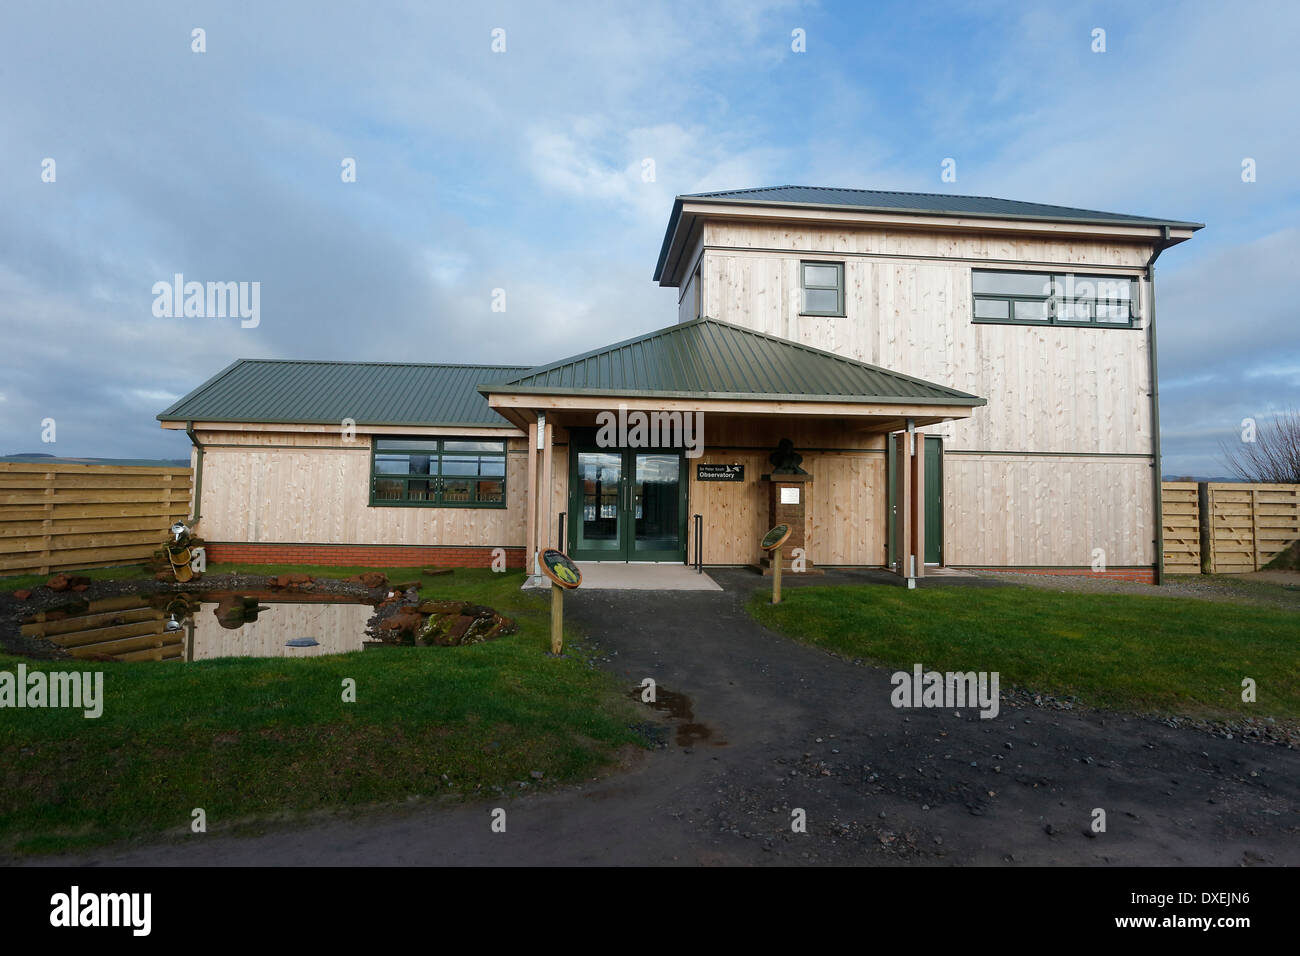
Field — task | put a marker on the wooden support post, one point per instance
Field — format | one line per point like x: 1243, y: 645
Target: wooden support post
x: 557, y: 619
x: 545, y: 492
x: 530, y: 544
x: 918, y: 504
x: 903, y: 504
x: 776, y: 576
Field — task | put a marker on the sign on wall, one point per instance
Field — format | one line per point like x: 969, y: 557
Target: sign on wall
x: 719, y: 472
x: 790, y: 496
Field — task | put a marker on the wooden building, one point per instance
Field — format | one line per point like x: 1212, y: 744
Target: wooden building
x: 969, y: 382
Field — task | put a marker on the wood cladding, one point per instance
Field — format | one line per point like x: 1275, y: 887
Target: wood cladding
x: 305, y: 487
x: 1050, y: 389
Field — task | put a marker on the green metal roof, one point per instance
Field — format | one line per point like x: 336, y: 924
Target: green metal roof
x: 705, y: 358
x: 321, y: 393
x: 933, y: 204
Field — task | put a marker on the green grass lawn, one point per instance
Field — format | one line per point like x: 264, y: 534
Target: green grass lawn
x: 250, y: 740
x: 1131, y: 653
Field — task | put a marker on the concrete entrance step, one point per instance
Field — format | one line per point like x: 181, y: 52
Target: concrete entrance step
x: 620, y: 576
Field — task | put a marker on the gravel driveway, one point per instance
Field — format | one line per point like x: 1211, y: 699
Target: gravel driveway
x: 756, y: 726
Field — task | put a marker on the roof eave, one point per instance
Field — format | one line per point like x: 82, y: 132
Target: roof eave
x: 332, y: 422
x: 971, y: 401
x: 676, y: 216
x: 669, y: 233
x: 945, y: 214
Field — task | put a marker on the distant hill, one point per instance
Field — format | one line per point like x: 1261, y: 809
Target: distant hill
x: 1195, y: 478
x: 44, y: 459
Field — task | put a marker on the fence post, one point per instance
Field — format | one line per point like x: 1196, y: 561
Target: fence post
x: 1203, y: 526
x: 47, y: 526
x: 1254, y: 529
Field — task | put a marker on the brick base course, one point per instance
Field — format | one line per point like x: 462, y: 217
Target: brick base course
x: 1140, y: 575
x: 358, y: 555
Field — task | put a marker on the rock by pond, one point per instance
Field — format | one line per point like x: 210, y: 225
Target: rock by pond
x: 443, y: 624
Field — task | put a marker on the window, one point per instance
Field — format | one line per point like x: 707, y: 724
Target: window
x: 438, y: 472
x: 823, y: 288
x: 1054, y: 298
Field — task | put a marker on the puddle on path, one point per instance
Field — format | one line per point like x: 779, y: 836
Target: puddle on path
x: 680, y: 709
x: 205, y: 625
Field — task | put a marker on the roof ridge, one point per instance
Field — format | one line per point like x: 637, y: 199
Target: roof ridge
x: 900, y: 192
x: 280, y: 361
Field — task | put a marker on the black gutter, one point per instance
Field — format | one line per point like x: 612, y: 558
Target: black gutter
x: 198, y: 472
x: 1155, y: 410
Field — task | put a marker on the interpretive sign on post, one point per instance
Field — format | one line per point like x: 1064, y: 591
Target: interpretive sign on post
x: 771, y: 543
x: 565, y: 576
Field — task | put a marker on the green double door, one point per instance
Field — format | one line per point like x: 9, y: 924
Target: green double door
x: 626, y: 504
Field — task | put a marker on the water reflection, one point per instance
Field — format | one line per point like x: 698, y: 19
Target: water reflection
x: 170, y: 627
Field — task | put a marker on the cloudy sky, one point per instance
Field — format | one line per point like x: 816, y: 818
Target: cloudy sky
x: 522, y: 171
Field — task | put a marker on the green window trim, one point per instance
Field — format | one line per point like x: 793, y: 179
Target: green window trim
x: 821, y: 285
x: 438, y: 473
x: 1005, y: 306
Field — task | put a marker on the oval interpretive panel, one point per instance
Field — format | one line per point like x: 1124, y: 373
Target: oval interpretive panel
x: 775, y: 538
x: 560, y: 569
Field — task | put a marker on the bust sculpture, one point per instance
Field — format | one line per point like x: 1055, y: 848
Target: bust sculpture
x: 785, y: 460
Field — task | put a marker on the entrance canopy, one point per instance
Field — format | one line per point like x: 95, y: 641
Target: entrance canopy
x: 715, y: 367
x: 628, y: 502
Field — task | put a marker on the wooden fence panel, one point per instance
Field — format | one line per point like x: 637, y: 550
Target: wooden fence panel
x: 1182, y: 528
x: 1277, y: 520
x: 1246, y: 525
x: 61, y: 516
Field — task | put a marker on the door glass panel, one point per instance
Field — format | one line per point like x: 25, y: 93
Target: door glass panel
x: 599, y: 481
x: 656, y: 503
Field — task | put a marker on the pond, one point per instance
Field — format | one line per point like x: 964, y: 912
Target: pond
x: 205, y: 625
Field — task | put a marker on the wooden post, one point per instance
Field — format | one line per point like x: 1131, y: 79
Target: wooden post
x: 557, y: 619
x: 1203, y: 534
x: 1254, y: 529
x: 545, y: 491
x: 918, y: 503
x: 47, y: 527
x: 530, y: 544
x: 776, y: 576
x: 903, y: 504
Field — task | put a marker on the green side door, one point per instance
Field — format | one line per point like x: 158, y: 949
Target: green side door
x: 933, y: 500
